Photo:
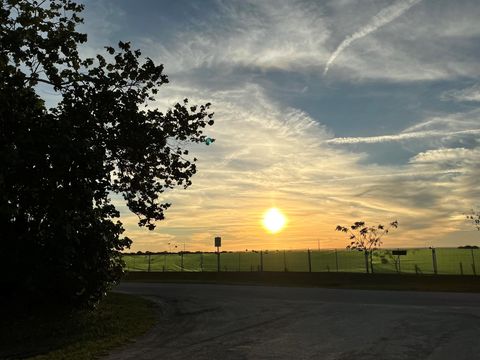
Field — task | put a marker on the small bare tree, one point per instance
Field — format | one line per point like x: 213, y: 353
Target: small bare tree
x: 474, y: 217
x: 366, y: 238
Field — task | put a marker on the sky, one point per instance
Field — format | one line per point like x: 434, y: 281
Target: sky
x: 331, y: 111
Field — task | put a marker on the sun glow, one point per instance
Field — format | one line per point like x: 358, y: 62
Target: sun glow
x: 274, y: 220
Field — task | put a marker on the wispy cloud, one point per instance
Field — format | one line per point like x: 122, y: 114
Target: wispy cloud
x: 253, y: 34
x: 269, y: 153
x: 401, y: 137
x: 383, y: 17
x: 447, y: 128
x: 471, y: 93
x: 295, y: 35
x: 446, y: 155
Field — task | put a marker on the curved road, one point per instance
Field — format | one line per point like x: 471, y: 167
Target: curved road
x: 200, y: 321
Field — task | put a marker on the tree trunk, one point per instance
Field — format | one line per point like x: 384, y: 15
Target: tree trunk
x: 371, y: 261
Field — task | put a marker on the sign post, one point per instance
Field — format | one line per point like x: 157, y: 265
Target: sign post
x: 434, y: 260
x: 399, y: 253
x: 218, y: 244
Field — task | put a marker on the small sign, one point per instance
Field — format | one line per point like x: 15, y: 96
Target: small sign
x: 218, y: 241
x: 399, y: 252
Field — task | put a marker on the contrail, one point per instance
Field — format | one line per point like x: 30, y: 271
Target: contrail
x: 383, y: 17
x: 400, y: 137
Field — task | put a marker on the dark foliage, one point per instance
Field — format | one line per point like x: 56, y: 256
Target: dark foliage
x: 61, y: 239
x: 474, y: 217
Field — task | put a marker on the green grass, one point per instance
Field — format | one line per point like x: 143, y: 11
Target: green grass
x: 77, y: 336
x: 450, y: 261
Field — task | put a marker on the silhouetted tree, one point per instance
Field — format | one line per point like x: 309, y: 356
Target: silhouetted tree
x: 59, y: 166
x: 474, y: 217
x: 366, y: 238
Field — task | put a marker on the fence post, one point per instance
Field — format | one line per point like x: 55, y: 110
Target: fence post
x: 201, y: 261
x: 434, y: 261
x: 218, y: 260
x: 366, y: 261
x: 309, y: 261
x: 473, y: 263
x: 461, y: 268
x: 336, y: 259
x: 284, y: 261
x: 261, y: 260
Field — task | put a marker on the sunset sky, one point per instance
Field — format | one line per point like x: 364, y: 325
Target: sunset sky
x: 331, y: 111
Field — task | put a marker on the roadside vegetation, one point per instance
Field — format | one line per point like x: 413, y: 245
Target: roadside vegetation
x: 77, y: 335
x: 61, y: 163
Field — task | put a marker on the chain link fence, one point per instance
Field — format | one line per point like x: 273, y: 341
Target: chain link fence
x: 415, y: 261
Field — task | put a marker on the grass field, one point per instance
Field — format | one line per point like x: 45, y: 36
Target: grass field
x: 417, y: 261
x: 82, y: 335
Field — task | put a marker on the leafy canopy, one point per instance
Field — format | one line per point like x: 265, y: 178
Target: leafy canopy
x: 61, y: 165
x: 366, y: 238
x: 474, y: 217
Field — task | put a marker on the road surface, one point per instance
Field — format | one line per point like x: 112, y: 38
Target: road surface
x: 200, y: 321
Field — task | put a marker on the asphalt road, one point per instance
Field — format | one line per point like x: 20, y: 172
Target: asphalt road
x: 257, y: 322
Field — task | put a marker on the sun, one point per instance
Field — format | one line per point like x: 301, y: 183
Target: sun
x: 274, y: 220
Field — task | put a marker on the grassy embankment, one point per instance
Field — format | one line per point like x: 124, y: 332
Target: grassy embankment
x: 339, y: 280
x: 80, y: 335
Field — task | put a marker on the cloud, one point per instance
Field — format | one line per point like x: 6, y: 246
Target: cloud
x: 383, y: 17
x: 270, y: 154
x: 414, y: 48
x: 248, y: 34
x: 441, y: 130
x: 402, y: 137
x: 469, y: 94
x: 446, y: 155
x: 296, y: 36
